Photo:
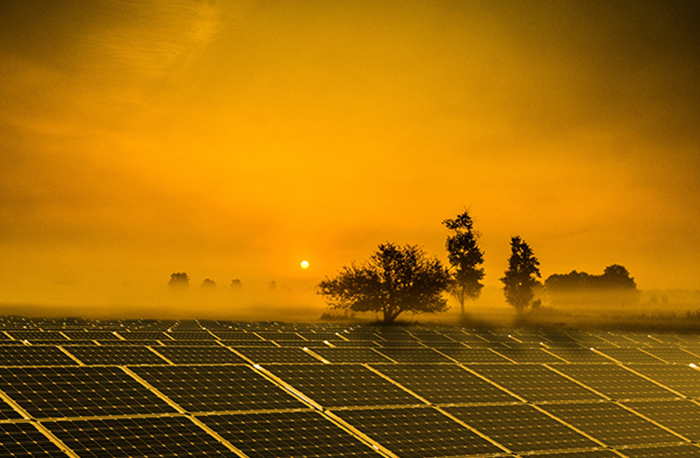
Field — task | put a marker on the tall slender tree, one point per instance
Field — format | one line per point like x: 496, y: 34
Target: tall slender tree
x: 465, y: 258
x: 521, y: 276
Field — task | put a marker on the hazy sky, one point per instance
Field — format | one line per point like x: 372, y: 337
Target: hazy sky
x: 234, y: 139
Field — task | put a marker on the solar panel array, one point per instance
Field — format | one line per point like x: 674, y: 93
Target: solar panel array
x: 166, y: 388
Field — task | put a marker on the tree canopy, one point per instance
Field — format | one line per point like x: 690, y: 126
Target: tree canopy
x: 580, y: 288
x: 465, y: 259
x: 179, y: 280
x: 522, y: 274
x: 396, y: 279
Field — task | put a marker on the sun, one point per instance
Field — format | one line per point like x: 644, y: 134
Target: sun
x: 304, y: 264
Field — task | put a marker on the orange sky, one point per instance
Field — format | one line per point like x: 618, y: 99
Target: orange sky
x: 234, y: 139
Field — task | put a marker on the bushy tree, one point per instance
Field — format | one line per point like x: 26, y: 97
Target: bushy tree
x: 521, y: 277
x: 396, y: 279
x: 465, y: 258
x: 179, y: 281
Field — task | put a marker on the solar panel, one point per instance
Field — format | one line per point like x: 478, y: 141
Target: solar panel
x: 414, y: 355
x: 287, y: 434
x: 153, y: 437
x: 579, y: 355
x: 200, y: 355
x: 90, y: 335
x: 444, y: 384
x: 581, y: 454
x: 611, y: 424
x: 34, y: 356
x: 144, y: 335
x: 528, y: 355
x: 615, y: 381
x: 115, y: 355
x: 673, y: 355
x: 474, y: 355
x: 55, y: 392
x: 236, y: 335
x: 534, y: 383
x: 277, y: 355
x: 681, y: 416
x: 521, y: 428
x: 342, y: 385
x: 217, y: 388
x: 673, y: 451
x: 24, y: 440
x: 190, y: 335
x: 37, y: 335
x: 277, y: 336
x: 351, y: 355
x: 630, y: 356
x: 417, y: 432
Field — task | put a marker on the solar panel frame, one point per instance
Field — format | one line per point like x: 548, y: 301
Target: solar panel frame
x: 277, y: 355
x: 13, y: 355
x: 414, y: 355
x: 200, y: 355
x: 120, y: 355
x: 680, y: 415
x: 24, y: 440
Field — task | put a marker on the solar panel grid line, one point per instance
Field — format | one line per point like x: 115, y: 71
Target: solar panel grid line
x: 397, y: 384
x: 286, y: 386
x: 70, y: 355
x: 383, y: 355
x: 666, y: 387
x: 55, y: 440
x: 602, y: 395
x: 654, y: 422
x: 160, y: 355
x: 512, y: 361
x: 556, y: 356
x: 153, y: 390
x: 216, y: 436
x: 569, y: 425
x: 316, y: 355
x: 359, y: 434
x: 17, y: 408
x: 662, y: 451
x: 500, y: 387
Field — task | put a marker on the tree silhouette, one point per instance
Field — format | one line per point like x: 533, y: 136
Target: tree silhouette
x: 396, y: 279
x: 521, y: 276
x: 179, y: 281
x: 208, y: 285
x: 236, y: 284
x: 579, y: 288
x: 465, y: 257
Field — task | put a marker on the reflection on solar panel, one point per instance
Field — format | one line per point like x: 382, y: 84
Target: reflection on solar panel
x: 117, y: 355
x: 24, y: 440
x: 611, y: 424
x: 673, y: 451
x: 55, y: 392
x: 535, y: 383
x: 351, y: 355
x: 444, y: 384
x: 343, y: 385
x: 615, y: 381
x: 34, y: 356
x: 681, y: 416
x: 277, y: 355
x: 200, y: 355
x: 417, y: 432
x: 217, y: 388
x: 414, y: 355
x: 138, y: 437
x: 521, y: 428
x: 683, y: 379
x: 286, y: 434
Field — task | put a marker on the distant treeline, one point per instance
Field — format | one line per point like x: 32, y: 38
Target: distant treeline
x: 579, y: 288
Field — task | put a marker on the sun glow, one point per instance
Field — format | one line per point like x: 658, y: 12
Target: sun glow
x: 304, y: 264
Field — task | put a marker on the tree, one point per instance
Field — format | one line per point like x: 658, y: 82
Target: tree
x: 465, y: 257
x: 521, y: 276
x: 179, y: 281
x: 396, y: 279
x: 208, y: 285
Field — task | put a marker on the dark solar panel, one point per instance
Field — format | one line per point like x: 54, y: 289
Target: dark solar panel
x: 54, y: 392
x: 474, y: 355
x: 414, y: 355
x: 682, y: 379
x: 350, y: 355
x: 417, y: 432
x: 217, y: 388
x: 535, y: 383
x: 681, y: 416
x: 673, y: 451
x: 580, y: 356
x: 90, y: 335
x: 144, y: 335
x: 611, y: 424
x: 581, y: 454
x: 37, y: 335
x: 236, y: 335
x: 115, y: 355
x: 342, y: 385
x: 528, y: 355
x: 24, y: 440
x: 444, y: 384
x: 630, y: 356
x: 190, y: 335
x: 615, y: 381
x: 154, y: 437
x: 277, y: 336
x: 287, y: 434
x: 277, y: 355
x: 521, y: 428
x: 200, y: 355
x: 34, y: 356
